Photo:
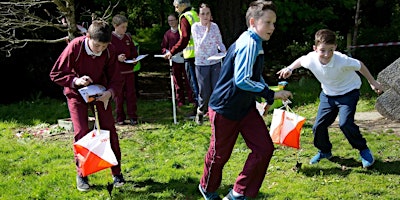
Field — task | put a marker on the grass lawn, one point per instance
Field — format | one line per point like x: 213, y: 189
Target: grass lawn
x: 161, y: 160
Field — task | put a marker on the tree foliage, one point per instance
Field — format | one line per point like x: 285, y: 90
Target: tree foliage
x: 48, y: 23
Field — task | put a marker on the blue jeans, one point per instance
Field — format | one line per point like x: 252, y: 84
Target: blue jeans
x: 191, y: 73
x: 328, y: 110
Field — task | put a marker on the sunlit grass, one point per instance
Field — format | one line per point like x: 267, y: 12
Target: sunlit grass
x: 162, y: 160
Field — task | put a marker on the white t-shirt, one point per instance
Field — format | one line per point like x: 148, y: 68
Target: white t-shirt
x: 338, y: 76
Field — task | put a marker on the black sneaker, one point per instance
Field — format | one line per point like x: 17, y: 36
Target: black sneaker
x: 118, y: 180
x: 82, y: 183
x: 230, y: 196
x: 199, y: 119
x: 209, y: 195
x: 133, y: 122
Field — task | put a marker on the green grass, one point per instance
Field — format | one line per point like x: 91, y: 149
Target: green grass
x: 161, y: 160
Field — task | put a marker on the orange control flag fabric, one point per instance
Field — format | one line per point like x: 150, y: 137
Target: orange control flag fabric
x: 94, y: 152
x: 286, y: 127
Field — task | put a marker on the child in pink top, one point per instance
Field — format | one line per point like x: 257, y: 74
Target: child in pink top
x: 207, y: 42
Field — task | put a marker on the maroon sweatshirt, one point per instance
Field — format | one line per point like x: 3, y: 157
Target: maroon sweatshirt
x: 74, y: 62
x: 169, y: 40
x: 185, y: 37
x: 125, y: 45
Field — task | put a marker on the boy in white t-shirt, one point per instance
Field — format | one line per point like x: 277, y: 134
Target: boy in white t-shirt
x: 339, y: 96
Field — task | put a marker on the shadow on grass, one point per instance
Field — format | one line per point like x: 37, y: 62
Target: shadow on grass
x: 183, y: 189
x: 347, y: 165
x: 386, y: 167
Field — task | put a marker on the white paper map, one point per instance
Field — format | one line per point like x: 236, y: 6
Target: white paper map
x: 140, y: 57
x: 178, y: 58
x: 217, y: 56
x: 91, y: 91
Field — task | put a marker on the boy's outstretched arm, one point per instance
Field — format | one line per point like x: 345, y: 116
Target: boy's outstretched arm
x: 287, y: 71
x: 376, y: 86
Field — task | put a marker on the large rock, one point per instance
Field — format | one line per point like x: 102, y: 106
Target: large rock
x: 388, y: 103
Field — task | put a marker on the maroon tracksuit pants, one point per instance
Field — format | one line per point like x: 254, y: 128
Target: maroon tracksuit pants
x: 223, y: 138
x: 79, y: 111
x: 181, y: 83
x: 128, y: 95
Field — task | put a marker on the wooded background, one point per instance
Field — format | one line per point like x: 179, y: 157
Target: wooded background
x: 34, y: 32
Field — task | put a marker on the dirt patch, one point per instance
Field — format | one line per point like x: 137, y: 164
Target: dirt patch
x: 374, y: 122
x: 367, y: 121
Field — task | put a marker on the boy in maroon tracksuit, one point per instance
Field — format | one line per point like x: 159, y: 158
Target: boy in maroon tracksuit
x: 126, y: 50
x: 232, y: 109
x: 90, y: 60
x: 171, y: 37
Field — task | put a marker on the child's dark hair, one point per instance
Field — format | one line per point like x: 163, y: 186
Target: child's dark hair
x: 204, y: 5
x: 100, y: 31
x: 119, y: 19
x: 325, y: 36
x: 173, y: 15
x: 257, y: 8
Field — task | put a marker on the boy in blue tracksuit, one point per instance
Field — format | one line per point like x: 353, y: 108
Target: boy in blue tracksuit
x: 232, y: 109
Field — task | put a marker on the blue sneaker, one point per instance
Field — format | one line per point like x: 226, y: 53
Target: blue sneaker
x: 320, y: 156
x: 230, y: 196
x: 367, y: 158
x: 209, y: 195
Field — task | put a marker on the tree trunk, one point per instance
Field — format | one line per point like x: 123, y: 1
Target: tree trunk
x: 231, y: 19
x: 356, y: 24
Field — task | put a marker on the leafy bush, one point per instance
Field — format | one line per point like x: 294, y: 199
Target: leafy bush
x: 150, y: 38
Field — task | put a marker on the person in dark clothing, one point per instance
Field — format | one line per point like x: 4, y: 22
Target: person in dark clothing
x: 181, y: 83
x: 187, y: 16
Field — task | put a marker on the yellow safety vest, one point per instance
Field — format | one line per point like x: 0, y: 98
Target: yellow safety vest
x: 192, y: 17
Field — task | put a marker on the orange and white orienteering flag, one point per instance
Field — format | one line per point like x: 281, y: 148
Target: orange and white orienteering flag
x: 94, y: 152
x: 286, y: 127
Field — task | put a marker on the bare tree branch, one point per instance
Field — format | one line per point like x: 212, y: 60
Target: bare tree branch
x: 25, y: 21
x: 109, y: 11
